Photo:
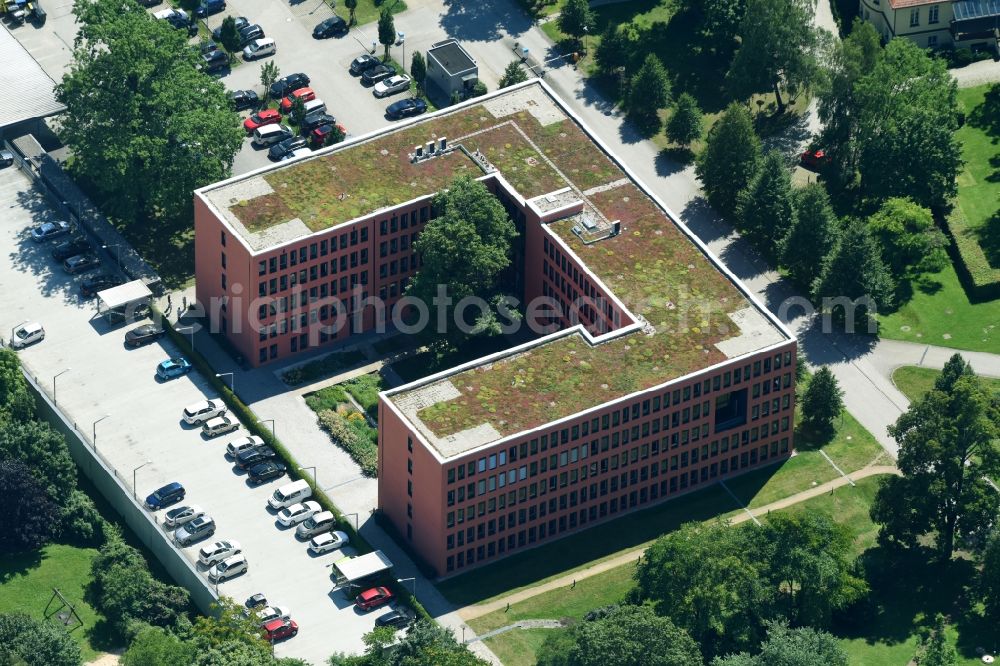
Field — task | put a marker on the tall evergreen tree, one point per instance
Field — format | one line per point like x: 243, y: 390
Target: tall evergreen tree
x: 936, y: 650
x: 513, y: 73
x: 649, y: 91
x: 617, y: 47
x: 685, y: 124
x: 730, y: 159
x: 764, y: 209
x: 822, y: 401
x: 386, y: 30
x: 418, y: 69
x: 854, y: 282
x: 576, y: 18
x: 814, y: 233
x: 352, y: 7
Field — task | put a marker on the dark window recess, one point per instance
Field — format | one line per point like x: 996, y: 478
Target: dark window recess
x: 731, y: 410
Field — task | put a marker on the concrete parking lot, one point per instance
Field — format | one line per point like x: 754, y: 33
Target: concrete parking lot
x: 98, y: 376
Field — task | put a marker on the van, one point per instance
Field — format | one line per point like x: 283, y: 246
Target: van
x: 316, y: 106
x: 268, y: 134
x: 289, y: 494
x: 259, y: 48
x: 316, y: 524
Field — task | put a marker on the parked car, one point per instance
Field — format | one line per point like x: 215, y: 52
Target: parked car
x: 209, y: 7
x: 375, y: 74
x: 165, y: 496
x: 26, y: 334
x: 261, y: 118
x: 277, y: 630
x: 92, y: 285
x: 287, y: 84
x: 144, y: 334
x: 814, y: 159
x: 268, y: 135
x: 81, y: 263
x: 321, y: 134
x: 196, y: 530
x: 327, y: 542
x: 241, y: 22
x: 243, y: 99
x: 260, y: 48
x: 314, y: 120
x: 373, y: 598
x: 70, y: 248
x: 250, y: 33
x: 286, y: 147
x: 305, y: 94
x: 220, y: 425
x: 182, y: 514
x: 265, y: 471
x: 207, y: 46
x: 404, y: 108
x: 397, y: 619
x: 214, y: 61
x: 173, y: 368
x: 251, y: 457
x: 49, y: 230
x: 238, y: 446
x: 203, y: 410
x: 271, y: 613
x: 330, y: 27
x: 218, y: 551
x: 392, y: 85
x: 296, y: 513
x: 363, y: 63
x: 6, y: 158
x: 317, y: 523
x: 257, y: 600
x: 228, y: 568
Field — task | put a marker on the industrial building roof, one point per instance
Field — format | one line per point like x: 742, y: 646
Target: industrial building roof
x: 28, y: 91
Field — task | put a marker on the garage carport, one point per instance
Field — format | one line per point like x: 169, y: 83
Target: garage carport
x: 124, y: 302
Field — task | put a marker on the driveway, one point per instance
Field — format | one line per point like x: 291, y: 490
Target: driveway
x: 98, y: 376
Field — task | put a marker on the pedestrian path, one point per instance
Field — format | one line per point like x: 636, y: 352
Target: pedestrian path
x: 478, y: 610
x: 523, y: 624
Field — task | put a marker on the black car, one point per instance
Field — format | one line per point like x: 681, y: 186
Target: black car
x: 6, y: 158
x: 254, y: 456
x: 207, y: 47
x: 214, y: 61
x: 282, y: 148
x: 330, y: 27
x: 81, y: 263
x: 70, y: 248
x: 182, y: 22
x: 413, y: 106
x: 363, y: 63
x: 209, y: 7
x: 144, y: 334
x: 397, y: 619
x: 265, y: 471
x: 314, y: 120
x: 241, y: 22
x: 92, y: 285
x: 255, y: 601
x: 287, y: 84
x: 377, y: 73
x: 250, y: 33
x: 243, y: 99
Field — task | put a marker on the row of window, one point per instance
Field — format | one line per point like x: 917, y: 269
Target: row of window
x: 314, y: 251
x: 315, y: 272
x: 569, y: 521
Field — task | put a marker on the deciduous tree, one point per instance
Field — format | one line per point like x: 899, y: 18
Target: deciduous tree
x: 16, y: 401
x: 649, y: 92
x: 822, y: 401
x: 989, y: 581
x: 935, y: 648
x: 764, y: 210
x: 685, y: 124
x: 44, y: 452
x: 155, y: 646
x: 911, y: 244
x: 947, y: 446
x: 30, y: 518
x: 814, y: 233
x: 721, y: 20
x: 803, y: 646
x: 386, y: 30
x: 730, y: 159
x: 269, y: 73
x: 513, y: 73
x: 576, y: 19
x: 618, y: 47
x: 26, y: 640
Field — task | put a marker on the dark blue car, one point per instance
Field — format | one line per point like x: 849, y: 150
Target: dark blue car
x: 173, y: 367
x: 165, y: 496
x: 208, y: 7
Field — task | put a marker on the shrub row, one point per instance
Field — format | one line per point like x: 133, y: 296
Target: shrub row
x: 321, y: 367
x: 250, y: 422
x: 352, y: 435
x: 981, y: 280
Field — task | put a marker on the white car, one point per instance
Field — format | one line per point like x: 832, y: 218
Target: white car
x: 182, y: 514
x: 232, y: 566
x: 219, y: 425
x: 260, y: 48
x: 169, y: 13
x: 324, y: 543
x: 274, y: 613
x: 26, y: 334
x: 298, y: 152
x: 391, y: 85
x: 200, y: 412
x: 238, y: 446
x: 218, y: 551
x: 296, y: 513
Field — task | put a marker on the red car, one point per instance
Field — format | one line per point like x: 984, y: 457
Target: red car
x: 306, y: 94
x: 261, y: 118
x: 814, y: 159
x: 373, y: 598
x: 279, y: 629
x: 320, y: 133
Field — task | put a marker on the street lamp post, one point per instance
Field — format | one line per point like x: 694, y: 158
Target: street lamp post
x: 313, y: 468
x: 118, y: 255
x: 188, y: 329
x: 54, y: 378
x: 356, y: 526
x: 232, y: 378
x: 94, y: 439
x: 273, y: 429
x: 148, y: 462
x: 414, y: 580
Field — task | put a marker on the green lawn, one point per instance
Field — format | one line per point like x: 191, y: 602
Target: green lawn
x: 978, y: 184
x: 365, y: 390
x: 26, y: 583
x: 368, y: 11
x: 518, y: 647
x: 940, y: 314
x: 914, y: 382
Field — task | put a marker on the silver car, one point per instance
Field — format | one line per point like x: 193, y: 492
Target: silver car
x: 196, y: 530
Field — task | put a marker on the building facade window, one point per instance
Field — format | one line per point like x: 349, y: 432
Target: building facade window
x: 933, y: 17
x: 915, y: 17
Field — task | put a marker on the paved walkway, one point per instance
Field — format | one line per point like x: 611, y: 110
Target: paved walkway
x: 478, y: 610
x: 523, y: 624
x: 978, y: 73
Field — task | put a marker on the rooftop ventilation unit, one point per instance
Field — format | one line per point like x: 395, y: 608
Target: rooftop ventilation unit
x: 430, y: 148
x: 418, y: 151
x: 444, y: 143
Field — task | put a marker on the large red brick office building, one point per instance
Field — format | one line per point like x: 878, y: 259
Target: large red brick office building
x: 661, y: 372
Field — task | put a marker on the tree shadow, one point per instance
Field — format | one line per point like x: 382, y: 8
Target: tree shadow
x: 13, y: 565
x: 693, y: 66
x: 484, y: 21
x: 671, y: 160
x: 986, y: 116
x: 988, y: 236
x: 699, y: 216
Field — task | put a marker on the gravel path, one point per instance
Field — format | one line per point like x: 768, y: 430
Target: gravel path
x: 978, y: 73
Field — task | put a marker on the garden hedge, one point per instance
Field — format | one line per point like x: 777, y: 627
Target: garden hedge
x: 980, y: 280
